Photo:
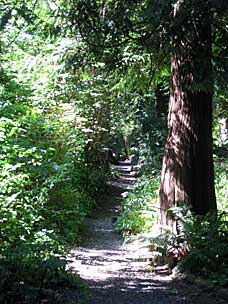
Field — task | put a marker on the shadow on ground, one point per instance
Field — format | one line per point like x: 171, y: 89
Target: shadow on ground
x: 113, y: 271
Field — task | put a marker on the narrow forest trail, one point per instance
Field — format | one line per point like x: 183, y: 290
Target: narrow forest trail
x: 114, y: 271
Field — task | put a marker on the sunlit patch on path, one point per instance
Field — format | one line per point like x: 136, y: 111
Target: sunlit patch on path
x: 114, y: 270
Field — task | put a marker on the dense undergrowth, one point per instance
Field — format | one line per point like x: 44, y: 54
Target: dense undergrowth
x: 48, y: 185
x: 45, y: 196
x: 139, y: 207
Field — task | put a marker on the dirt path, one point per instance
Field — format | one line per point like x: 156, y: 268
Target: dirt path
x: 114, y: 271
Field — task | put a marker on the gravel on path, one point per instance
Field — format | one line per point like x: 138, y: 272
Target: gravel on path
x: 110, y: 267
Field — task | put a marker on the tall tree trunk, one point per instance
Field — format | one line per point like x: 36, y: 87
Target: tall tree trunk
x: 187, y: 172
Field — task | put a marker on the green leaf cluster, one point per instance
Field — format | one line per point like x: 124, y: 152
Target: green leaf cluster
x: 139, y: 207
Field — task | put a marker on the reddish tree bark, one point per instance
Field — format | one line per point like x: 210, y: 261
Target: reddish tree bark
x: 187, y: 172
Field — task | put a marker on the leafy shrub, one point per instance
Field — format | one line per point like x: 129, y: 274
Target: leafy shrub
x: 207, y: 238
x: 139, y: 210
x: 43, y: 198
x: 201, y: 247
x: 30, y: 278
x: 39, y: 183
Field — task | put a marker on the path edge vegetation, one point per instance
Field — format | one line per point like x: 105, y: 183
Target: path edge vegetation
x: 76, y: 54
